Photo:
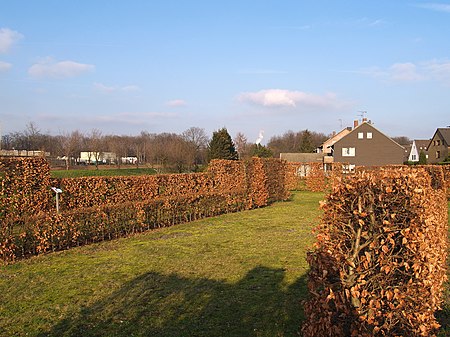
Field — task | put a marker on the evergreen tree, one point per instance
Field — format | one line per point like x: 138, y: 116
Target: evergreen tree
x: 258, y: 150
x: 422, y: 158
x: 221, y: 146
x: 306, y: 143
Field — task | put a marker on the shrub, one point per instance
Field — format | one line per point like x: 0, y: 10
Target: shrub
x: 379, y: 263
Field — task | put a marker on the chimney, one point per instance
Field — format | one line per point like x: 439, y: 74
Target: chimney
x: 364, y: 120
x: 355, y: 124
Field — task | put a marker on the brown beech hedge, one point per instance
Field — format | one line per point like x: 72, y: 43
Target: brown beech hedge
x: 101, y: 208
x: 379, y: 263
x: 311, y: 176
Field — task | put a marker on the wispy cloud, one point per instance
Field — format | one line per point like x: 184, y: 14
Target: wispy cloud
x: 434, y: 70
x: 130, y: 88
x: 48, y: 68
x: 4, y: 66
x: 435, y: 6
x: 176, y: 102
x: 291, y: 99
x: 439, y: 70
x: 7, y: 38
x: 132, y: 118
x: 371, y: 22
x: 404, y: 72
x: 103, y: 88
x: 109, y: 89
x: 261, y: 72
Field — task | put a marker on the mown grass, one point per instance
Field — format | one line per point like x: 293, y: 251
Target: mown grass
x: 239, y: 274
x: 74, y: 173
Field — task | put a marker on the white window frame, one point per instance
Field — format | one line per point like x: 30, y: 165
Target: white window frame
x: 369, y: 135
x: 348, y: 151
x: 360, y: 135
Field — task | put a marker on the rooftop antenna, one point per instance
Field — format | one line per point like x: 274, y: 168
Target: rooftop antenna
x: 362, y: 114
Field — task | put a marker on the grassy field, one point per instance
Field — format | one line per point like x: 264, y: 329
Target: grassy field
x: 241, y: 274
x: 92, y: 172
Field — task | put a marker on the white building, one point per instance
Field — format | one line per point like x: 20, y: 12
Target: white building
x: 418, y: 146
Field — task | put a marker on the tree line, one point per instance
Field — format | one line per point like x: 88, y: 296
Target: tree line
x: 188, y: 151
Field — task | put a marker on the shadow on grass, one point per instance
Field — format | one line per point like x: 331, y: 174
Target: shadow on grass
x: 443, y: 316
x: 161, y: 305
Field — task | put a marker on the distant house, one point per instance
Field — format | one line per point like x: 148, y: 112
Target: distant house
x: 23, y: 153
x: 103, y: 157
x: 367, y: 146
x: 326, y: 147
x: 438, y: 147
x: 418, y: 146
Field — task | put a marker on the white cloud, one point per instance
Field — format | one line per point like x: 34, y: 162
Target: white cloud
x: 7, y: 38
x: 439, y: 70
x: 404, y: 72
x: 5, y: 66
x: 129, y: 88
x: 287, y: 98
x: 177, y: 102
x: 435, y: 70
x: 436, y: 7
x: 104, y: 88
x: 58, y: 70
x: 108, y: 89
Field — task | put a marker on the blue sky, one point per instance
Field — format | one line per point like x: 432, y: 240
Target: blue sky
x: 164, y: 66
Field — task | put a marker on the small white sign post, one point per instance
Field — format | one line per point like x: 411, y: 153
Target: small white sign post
x: 57, y: 192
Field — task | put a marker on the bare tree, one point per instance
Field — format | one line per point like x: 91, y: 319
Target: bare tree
x: 199, y: 139
x: 181, y: 154
x: 242, y: 145
x: 95, y: 145
x: 402, y: 140
x: 147, y: 140
x: 299, y: 141
x: 118, y: 145
x: 71, y: 145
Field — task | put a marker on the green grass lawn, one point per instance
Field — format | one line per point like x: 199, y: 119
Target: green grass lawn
x: 241, y: 274
x: 128, y: 171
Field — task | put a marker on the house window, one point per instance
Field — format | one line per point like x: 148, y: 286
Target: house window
x: 438, y: 154
x: 438, y: 142
x: 360, y: 135
x: 369, y: 135
x: 348, y: 152
x: 413, y: 157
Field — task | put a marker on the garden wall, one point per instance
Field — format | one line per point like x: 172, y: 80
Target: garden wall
x: 99, y: 208
x: 379, y: 263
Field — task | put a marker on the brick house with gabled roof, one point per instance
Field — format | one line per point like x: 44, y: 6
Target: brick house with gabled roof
x: 438, y: 148
x: 365, y: 145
